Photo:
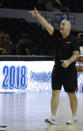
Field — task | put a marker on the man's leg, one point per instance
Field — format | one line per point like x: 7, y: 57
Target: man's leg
x: 73, y: 105
x: 54, y: 101
x: 54, y: 106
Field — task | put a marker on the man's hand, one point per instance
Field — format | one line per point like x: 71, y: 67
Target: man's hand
x: 42, y: 21
x: 34, y: 12
x: 65, y: 63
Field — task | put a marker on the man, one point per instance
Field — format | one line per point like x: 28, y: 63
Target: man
x: 24, y: 45
x: 64, y: 71
x: 5, y: 44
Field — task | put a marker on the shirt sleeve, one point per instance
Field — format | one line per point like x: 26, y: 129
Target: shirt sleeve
x: 76, y: 45
x: 56, y: 34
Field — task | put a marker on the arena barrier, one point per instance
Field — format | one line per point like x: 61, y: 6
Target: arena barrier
x: 30, y: 73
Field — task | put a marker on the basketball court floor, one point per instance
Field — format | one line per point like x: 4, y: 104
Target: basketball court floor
x: 27, y: 112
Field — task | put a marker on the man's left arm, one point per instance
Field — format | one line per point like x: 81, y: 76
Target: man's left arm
x: 66, y: 63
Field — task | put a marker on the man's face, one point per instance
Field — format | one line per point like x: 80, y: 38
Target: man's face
x: 65, y: 27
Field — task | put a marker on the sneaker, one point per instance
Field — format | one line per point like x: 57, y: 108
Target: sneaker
x: 3, y: 126
x: 50, y: 120
x: 72, y: 122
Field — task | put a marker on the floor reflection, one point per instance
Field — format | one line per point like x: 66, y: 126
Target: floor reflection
x: 63, y: 128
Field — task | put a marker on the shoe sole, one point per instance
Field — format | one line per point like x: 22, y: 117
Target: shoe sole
x: 46, y: 120
x: 71, y: 123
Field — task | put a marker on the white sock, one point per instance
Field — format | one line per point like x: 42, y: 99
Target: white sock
x: 53, y: 116
x: 74, y: 116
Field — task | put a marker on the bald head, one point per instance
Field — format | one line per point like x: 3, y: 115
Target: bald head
x: 65, y: 27
x: 67, y: 22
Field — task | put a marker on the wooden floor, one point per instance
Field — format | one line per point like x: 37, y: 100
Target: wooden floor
x: 27, y: 112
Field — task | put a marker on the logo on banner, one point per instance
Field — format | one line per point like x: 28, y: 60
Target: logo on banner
x: 64, y: 17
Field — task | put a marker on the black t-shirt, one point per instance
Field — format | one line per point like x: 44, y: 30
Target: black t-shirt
x: 64, y: 47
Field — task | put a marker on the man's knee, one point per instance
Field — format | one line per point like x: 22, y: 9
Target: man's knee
x: 72, y: 95
x: 55, y: 93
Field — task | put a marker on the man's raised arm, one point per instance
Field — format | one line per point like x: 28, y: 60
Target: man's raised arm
x: 42, y: 20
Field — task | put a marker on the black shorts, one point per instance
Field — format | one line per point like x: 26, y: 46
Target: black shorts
x: 64, y: 76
